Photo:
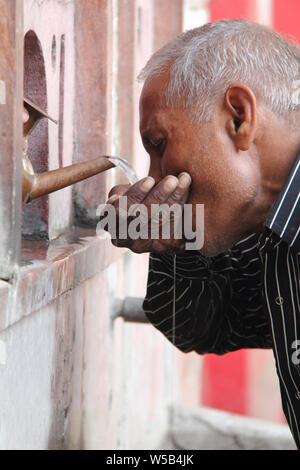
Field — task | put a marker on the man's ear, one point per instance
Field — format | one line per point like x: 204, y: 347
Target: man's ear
x: 240, y: 103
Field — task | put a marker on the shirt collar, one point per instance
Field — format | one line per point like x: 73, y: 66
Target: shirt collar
x: 284, y: 217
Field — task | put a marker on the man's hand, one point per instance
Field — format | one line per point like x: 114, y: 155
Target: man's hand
x: 170, y: 190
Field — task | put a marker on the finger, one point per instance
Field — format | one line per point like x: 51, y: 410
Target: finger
x: 112, y: 198
x: 180, y: 194
x: 139, y: 190
x: 167, y: 217
x: 134, y: 194
x: 160, y: 192
x: 119, y: 189
x: 144, y: 193
x: 169, y: 190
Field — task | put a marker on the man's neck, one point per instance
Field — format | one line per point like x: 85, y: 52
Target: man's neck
x: 282, y: 164
x: 281, y: 146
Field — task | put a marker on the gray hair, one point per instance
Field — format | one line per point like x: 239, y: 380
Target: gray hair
x: 204, y: 61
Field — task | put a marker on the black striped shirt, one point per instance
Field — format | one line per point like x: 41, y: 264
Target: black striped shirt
x: 246, y: 297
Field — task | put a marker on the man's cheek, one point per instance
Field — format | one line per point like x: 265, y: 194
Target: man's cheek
x: 195, y: 196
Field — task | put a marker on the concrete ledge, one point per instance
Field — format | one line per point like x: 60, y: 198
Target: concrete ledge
x: 49, y: 269
x: 210, y: 429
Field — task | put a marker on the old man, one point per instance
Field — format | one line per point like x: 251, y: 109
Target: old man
x: 219, y: 114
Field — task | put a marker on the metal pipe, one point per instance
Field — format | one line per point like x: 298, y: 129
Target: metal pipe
x: 37, y: 185
x: 131, y: 309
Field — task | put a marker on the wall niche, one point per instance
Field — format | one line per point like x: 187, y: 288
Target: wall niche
x: 35, y: 214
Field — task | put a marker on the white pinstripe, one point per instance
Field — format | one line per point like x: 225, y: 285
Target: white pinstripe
x: 275, y: 345
x: 290, y: 215
x: 295, y: 237
x: 291, y: 290
x: 283, y: 322
x: 284, y: 194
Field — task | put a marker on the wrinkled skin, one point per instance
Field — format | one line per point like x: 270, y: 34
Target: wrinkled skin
x: 235, y: 165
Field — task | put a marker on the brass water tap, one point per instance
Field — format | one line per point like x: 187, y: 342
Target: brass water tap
x: 36, y: 185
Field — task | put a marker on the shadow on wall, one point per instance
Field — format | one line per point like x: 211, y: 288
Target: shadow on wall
x: 35, y: 214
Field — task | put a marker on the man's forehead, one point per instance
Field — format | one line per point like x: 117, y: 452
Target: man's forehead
x: 156, y: 84
x: 152, y: 98
x: 154, y: 88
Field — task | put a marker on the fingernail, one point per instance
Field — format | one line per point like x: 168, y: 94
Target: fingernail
x: 184, y: 180
x: 170, y: 183
x: 113, y: 198
x: 147, y: 184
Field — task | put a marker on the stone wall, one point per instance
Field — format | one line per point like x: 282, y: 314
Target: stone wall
x: 71, y: 376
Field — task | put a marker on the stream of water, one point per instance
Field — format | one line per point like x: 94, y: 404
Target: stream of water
x: 125, y: 167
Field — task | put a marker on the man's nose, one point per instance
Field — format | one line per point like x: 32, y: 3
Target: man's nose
x: 158, y: 171
x: 155, y: 172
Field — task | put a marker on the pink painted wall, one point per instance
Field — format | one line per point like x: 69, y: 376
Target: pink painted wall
x: 73, y: 377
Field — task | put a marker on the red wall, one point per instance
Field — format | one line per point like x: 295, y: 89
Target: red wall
x: 286, y: 16
x: 229, y: 9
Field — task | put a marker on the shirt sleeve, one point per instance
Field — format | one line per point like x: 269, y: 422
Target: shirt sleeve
x: 213, y: 305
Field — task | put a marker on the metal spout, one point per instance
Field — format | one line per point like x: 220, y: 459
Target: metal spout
x: 37, y: 185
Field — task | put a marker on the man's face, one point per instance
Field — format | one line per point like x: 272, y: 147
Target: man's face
x: 225, y: 180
